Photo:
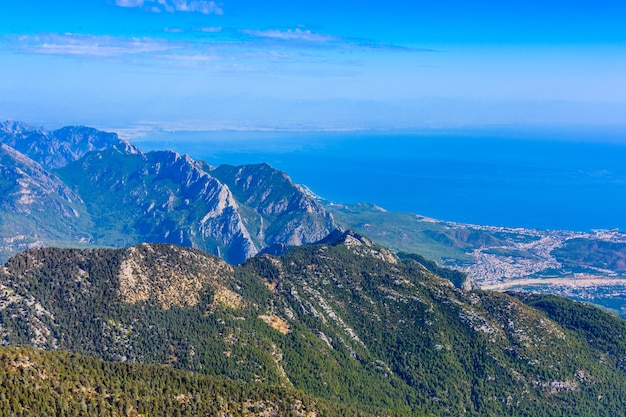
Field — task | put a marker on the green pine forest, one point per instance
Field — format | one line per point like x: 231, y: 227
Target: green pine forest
x: 340, y: 328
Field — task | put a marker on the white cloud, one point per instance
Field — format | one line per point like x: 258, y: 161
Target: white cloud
x: 151, y: 51
x: 296, y: 34
x: 129, y: 3
x: 186, y: 58
x: 166, y: 6
x: 200, y: 6
x: 255, y: 48
x: 215, y: 29
x: 195, y: 6
x: 90, y: 45
x: 211, y: 29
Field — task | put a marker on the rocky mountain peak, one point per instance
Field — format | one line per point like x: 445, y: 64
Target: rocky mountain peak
x: 359, y: 244
x: 60, y: 147
x: 13, y: 127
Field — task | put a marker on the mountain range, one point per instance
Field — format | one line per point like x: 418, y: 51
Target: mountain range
x: 80, y: 186
x: 178, y: 288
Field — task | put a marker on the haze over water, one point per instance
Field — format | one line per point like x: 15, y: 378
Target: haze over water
x: 570, y: 179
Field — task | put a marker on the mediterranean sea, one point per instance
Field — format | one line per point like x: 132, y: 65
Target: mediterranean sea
x: 569, y: 179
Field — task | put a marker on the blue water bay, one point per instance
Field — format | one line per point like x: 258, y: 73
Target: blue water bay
x: 550, y: 179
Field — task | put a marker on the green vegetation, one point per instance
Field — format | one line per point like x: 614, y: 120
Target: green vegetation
x: 114, y: 202
x: 595, y: 253
x: 457, y: 278
x: 38, y: 383
x: 344, y: 322
x: 602, y: 331
x: 403, y: 232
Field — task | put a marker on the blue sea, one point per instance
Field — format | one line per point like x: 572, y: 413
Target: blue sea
x: 568, y: 178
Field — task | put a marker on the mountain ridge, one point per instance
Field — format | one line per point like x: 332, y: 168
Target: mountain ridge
x: 36, y: 206
x: 257, y: 209
x: 339, y: 321
x: 125, y: 197
x: 59, y: 147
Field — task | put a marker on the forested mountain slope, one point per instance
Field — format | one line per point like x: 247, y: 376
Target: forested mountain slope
x: 346, y: 321
x: 38, y: 383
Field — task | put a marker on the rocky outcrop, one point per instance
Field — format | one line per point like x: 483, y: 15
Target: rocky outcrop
x: 180, y: 277
x: 288, y: 214
x: 359, y: 245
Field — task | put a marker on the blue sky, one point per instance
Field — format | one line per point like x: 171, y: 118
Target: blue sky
x: 240, y: 64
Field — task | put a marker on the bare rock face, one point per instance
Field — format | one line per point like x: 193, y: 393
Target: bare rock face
x: 159, y: 197
x: 172, y: 276
x: 359, y: 245
x: 288, y: 214
x: 26, y: 185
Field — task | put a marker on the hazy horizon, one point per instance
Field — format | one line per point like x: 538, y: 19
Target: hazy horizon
x: 326, y: 65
